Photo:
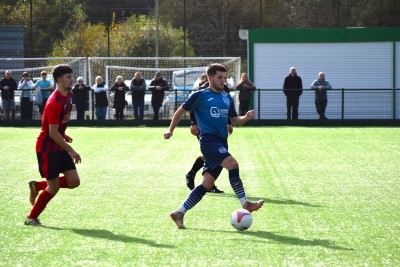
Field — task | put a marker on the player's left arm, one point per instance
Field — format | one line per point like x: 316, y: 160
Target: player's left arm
x: 236, y: 120
x: 229, y: 127
x: 59, y: 140
x: 67, y: 138
x: 241, y: 120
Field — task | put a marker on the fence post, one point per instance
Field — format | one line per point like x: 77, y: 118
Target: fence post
x: 342, y: 103
x: 92, y: 103
x: 176, y: 100
x: 258, y: 104
x: 394, y: 103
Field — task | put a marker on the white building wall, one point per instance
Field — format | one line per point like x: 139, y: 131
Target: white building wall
x: 367, y: 65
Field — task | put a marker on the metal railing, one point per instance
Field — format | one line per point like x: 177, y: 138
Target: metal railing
x: 270, y: 104
x: 342, y: 104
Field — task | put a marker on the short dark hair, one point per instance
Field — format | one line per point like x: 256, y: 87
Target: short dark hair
x: 213, y: 68
x: 60, y: 70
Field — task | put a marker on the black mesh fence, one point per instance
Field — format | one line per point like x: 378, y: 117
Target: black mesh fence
x: 270, y: 104
x: 31, y: 28
x: 342, y: 104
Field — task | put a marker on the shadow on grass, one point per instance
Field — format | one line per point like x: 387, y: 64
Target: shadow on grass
x: 278, y: 238
x: 105, y: 234
x: 278, y: 201
x: 295, y: 241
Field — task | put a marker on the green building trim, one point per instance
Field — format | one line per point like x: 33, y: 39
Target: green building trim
x: 323, y: 35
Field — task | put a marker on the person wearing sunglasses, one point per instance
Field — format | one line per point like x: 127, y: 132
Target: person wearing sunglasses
x: 80, y: 98
x: 26, y: 87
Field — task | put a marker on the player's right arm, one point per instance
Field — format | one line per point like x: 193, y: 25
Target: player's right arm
x: 194, y: 129
x: 59, y: 140
x: 186, y: 106
x: 174, y: 122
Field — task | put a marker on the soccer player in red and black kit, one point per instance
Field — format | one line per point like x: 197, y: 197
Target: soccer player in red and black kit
x: 54, y: 154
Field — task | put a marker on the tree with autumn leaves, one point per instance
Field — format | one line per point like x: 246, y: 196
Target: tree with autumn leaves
x: 135, y: 37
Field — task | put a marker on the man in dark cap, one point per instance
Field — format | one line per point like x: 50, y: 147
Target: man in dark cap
x: 157, y: 86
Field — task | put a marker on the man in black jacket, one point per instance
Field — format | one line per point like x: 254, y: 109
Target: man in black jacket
x: 80, y: 98
x: 7, y: 86
x: 293, y: 88
x: 157, y: 86
x: 138, y: 88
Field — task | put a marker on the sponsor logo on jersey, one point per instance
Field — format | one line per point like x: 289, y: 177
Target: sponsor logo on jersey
x: 214, y: 112
x: 225, y: 98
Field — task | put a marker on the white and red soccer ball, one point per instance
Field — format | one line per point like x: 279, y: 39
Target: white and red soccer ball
x: 241, y: 219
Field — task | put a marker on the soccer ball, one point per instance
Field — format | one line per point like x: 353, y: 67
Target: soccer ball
x: 241, y: 219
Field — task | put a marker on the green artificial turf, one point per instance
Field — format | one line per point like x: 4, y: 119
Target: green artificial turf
x: 332, y: 199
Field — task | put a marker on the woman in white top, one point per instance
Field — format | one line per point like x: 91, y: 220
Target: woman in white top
x: 26, y: 87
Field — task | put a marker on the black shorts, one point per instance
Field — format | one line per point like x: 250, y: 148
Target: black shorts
x: 51, y: 164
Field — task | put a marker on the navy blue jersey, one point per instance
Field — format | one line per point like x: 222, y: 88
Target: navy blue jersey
x: 212, y: 111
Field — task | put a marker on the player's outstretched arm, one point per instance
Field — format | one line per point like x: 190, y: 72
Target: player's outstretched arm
x: 174, y: 122
x: 241, y: 120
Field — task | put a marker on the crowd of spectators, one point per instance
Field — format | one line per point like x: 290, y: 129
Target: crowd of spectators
x: 37, y: 94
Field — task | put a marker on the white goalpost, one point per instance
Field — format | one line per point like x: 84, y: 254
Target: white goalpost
x: 180, y: 73
x: 34, y: 66
x: 109, y: 68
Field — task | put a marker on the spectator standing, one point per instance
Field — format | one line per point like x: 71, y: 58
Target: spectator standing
x: 46, y: 88
x: 202, y: 80
x: 119, y: 88
x: 293, y: 88
x: 246, y: 89
x: 320, y: 86
x: 101, y: 101
x: 26, y: 87
x: 80, y: 98
x: 138, y: 88
x: 8, y: 86
x: 158, y: 86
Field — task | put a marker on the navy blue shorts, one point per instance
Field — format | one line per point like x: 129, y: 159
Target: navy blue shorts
x: 51, y: 164
x: 214, y: 150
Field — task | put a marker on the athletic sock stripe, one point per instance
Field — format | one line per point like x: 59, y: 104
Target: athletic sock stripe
x: 195, y: 196
x: 236, y: 183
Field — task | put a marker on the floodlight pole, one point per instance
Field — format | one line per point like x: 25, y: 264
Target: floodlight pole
x: 157, y: 31
x: 108, y: 29
x: 261, y: 17
x: 184, y: 30
x: 31, y: 26
x: 337, y: 13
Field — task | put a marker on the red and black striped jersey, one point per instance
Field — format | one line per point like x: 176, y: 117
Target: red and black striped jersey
x: 57, y: 111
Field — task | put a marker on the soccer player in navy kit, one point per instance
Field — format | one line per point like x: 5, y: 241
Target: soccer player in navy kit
x: 212, y: 109
x: 54, y: 154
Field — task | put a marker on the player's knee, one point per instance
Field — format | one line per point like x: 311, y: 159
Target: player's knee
x: 74, y: 183
x: 233, y: 164
x: 230, y: 163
